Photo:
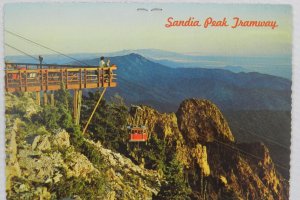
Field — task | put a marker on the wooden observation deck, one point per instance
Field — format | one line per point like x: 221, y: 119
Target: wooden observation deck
x: 41, y: 78
x: 35, y: 77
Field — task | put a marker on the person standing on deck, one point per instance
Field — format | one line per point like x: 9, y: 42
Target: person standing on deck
x: 102, y: 62
x: 41, y: 61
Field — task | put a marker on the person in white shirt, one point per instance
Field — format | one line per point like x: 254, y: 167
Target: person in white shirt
x: 102, y: 62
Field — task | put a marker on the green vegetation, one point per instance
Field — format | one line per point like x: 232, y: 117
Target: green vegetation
x: 109, y: 121
x: 58, y: 116
x: 154, y: 153
x: 174, y: 187
x: 93, y: 189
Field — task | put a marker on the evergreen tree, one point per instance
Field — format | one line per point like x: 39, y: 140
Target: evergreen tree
x: 60, y: 115
x: 63, y: 98
x: 109, y: 121
x: 154, y: 153
x: 174, y: 187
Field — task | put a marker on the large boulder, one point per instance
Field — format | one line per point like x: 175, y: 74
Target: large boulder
x: 41, y: 143
x: 61, y: 139
x: 78, y: 165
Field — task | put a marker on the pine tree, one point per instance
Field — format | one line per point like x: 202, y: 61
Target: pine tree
x: 154, y: 153
x: 109, y: 121
x: 174, y: 187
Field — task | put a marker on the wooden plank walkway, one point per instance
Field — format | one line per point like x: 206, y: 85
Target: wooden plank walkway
x: 34, y: 77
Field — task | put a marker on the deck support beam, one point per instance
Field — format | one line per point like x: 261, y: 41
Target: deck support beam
x: 38, y: 98
x: 77, y: 99
x: 52, y: 98
x: 45, y: 97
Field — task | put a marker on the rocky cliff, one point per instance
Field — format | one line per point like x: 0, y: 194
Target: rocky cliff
x: 215, y: 166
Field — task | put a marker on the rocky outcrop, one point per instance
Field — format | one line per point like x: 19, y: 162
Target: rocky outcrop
x: 128, y: 180
x: 213, y: 163
x: 164, y: 125
x: 200, y: 155
x: 41, y: 143
x: 201, y: 121
x: 61, y: 140
x: 33, y: 168
x: 12, y: 164
x: 36, y: 166
x: 264, y: 167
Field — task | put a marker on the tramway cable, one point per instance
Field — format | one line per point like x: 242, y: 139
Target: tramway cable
x: 247, y: 153
x: 38, y: 44
x: 23, y: 52
x: 268, y: 139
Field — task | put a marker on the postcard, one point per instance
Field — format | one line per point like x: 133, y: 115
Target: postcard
x: 147, y: 100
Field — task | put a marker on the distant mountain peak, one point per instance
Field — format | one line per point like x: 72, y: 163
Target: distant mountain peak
x: 135, y: 55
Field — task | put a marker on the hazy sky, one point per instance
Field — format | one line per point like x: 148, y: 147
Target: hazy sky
x: 108, y: 27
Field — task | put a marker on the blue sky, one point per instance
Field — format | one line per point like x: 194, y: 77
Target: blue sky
x: 108, y: 27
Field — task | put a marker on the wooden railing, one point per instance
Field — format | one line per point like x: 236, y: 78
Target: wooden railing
x: 33, y: 77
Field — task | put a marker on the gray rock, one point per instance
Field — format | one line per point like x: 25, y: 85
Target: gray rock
x: 61, y: 140
x: 41, y: 143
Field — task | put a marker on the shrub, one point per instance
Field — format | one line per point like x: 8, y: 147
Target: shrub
x: 94, y: 189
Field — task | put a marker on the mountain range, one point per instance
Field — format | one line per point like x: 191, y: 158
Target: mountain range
x: 141, y: 81
x: 278, y: 65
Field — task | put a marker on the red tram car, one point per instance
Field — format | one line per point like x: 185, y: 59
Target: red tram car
x: 138, y: 134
